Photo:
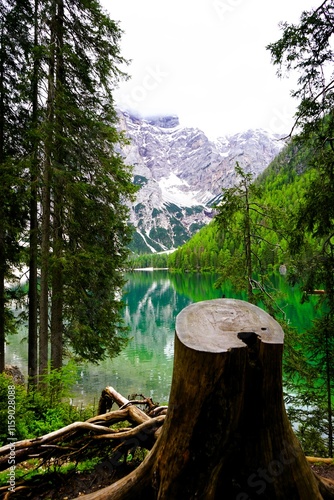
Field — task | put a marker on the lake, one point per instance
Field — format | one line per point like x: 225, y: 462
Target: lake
x: 152, y: 301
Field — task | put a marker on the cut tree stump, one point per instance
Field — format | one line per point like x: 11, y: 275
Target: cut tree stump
x: 226, y: 433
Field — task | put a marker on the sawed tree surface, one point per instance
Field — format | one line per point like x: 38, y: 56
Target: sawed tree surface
x: 226, y: 433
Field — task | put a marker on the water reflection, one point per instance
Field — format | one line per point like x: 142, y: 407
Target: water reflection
x: 152, y: 302
x: 145, y: 366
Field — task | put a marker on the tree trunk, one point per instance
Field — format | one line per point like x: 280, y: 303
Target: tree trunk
x: 46, y: 209
x: 226, y: 433
x: 33, y: 250
x: 32, y: 293
x: 2, y: 222
x: 44, y: 292
x: 57, y: 301
x: 329, y: 396
x: 58, y: 188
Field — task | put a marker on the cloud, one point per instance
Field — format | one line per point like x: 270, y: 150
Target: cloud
x: 206, y: 61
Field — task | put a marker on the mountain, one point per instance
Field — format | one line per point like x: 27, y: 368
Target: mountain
x: 281, y: 190
x: 181, y: 174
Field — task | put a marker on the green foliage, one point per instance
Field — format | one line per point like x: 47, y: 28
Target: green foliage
x: 138, y: 244
x: 50, y: 473
x: 155, y: 260
x: 14, y: 147
x: 160, y: 234
x: 42, y: 410
x: 280, y: 222
x: 198, y: 254
x: 214, y: 249
x: 313, y: 375
x: 306, y: 48
x: 281, y: 187
x: 59, y: 157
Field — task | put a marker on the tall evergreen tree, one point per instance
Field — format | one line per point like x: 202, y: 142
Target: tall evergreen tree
x: 248, y: 222
x: 307, y: 49
x: 13, y: 120
x: 33, y: 199
x: 59, y: 65
x: 86, y: 184
x: 48, y: 42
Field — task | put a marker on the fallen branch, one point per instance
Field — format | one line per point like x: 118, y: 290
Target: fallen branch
x: 315, y: 460
x: 73, y: 438
x: 144, y: 429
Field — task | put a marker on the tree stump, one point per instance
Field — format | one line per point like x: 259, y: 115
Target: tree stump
x: 226, y: 433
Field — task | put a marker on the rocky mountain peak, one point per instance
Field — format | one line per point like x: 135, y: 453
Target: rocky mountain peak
x: 181, y: 173
x: 164, y: 121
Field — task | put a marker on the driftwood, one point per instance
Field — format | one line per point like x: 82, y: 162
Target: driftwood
x: 70, y: 440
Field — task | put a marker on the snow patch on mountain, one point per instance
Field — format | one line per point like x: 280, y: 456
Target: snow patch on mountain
x: 175, y: 190
x: 180, y: 171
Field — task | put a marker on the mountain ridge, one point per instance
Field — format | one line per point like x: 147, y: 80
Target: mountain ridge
x: 181, y: 173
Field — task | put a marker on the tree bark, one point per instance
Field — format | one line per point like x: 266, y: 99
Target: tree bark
x: 58, y: 188
x: 69, y: 441
x: 46, y: 207
x: 33, y: 249
x: 226, y: 433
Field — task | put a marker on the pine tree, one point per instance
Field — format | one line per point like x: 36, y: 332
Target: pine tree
x: 248, y: 223
x: 306, y: 48
x: 13, y: 120
x: 86, y: 185
x: 58, y: 134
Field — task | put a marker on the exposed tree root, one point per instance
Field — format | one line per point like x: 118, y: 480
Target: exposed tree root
x: 226, y: 433
x: 326, y: 487
x: 74, y: 438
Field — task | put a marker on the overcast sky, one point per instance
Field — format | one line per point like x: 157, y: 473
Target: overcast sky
x: 206, y: 61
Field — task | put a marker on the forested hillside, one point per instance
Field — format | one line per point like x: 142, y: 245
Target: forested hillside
x: 281, y: 186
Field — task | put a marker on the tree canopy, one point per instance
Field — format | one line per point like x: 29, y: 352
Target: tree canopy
x: 62, y: 126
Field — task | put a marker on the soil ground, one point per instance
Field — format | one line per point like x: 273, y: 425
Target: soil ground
x: 75, y: 484
x: 55, y: 486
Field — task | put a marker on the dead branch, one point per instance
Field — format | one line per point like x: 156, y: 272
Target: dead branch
x: 315, y: 460
x: 142, y: 430
x: 73, y: 438
x: 159, y: 410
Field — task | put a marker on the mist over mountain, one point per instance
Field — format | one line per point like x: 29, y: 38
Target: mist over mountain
x: 181, y: 174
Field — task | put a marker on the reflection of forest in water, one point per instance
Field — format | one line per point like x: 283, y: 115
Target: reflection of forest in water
x: 152, y: 302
